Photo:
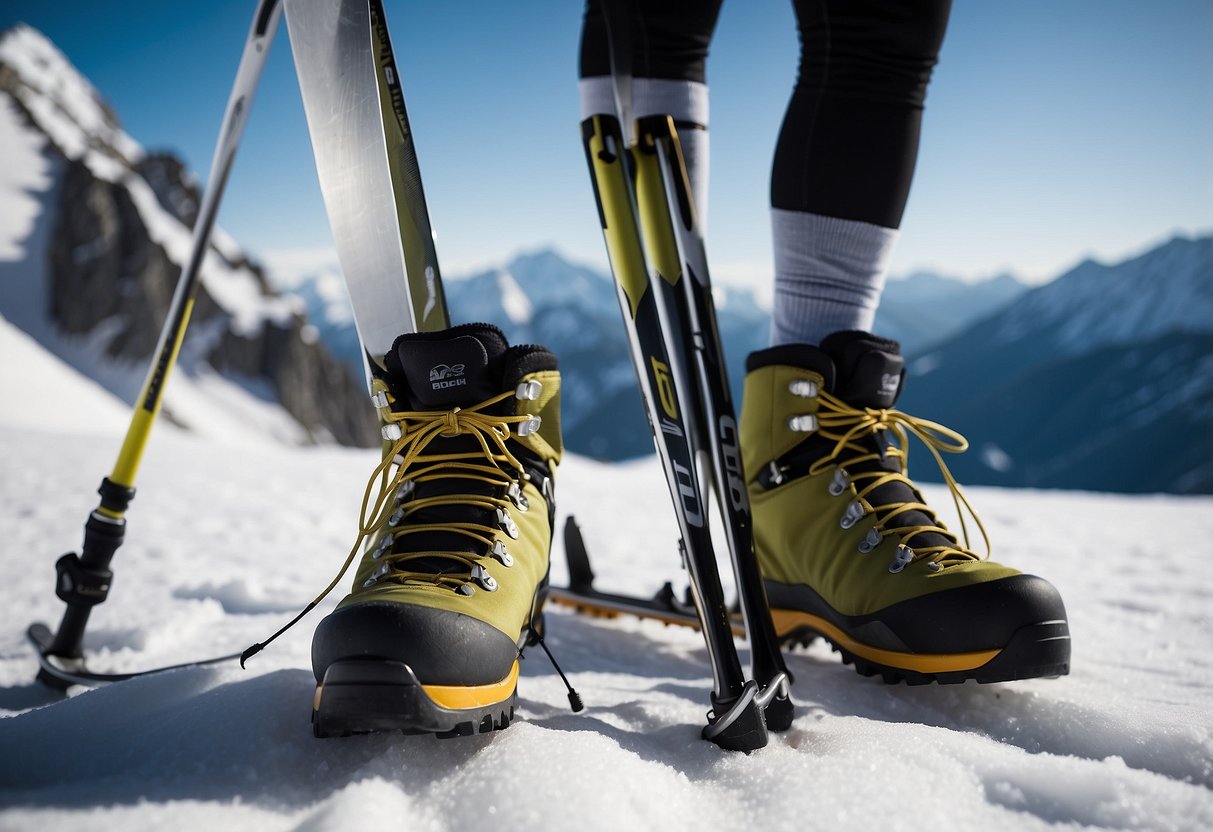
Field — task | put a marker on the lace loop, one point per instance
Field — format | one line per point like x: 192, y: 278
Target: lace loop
x: 410, y: 433
x: 406, y: 461
x: 845, y: 425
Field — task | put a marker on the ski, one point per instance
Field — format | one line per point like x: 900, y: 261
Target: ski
x: 581, y: 595
x: 368, y: 169
x: 656, y: 255
x: 370, y: 178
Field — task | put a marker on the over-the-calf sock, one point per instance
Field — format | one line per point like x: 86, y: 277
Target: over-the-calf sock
x: 828, y: 275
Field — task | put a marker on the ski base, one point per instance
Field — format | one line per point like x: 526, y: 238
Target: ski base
x: 368, y: 696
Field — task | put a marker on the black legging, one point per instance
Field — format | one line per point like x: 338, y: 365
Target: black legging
x: 850, y: 136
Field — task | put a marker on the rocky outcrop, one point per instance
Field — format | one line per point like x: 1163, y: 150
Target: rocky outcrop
x: 109, y: 275
x: 104, y: 268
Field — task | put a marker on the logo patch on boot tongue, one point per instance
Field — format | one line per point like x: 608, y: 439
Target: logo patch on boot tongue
x: 444, y: 376
x: 447, y: 372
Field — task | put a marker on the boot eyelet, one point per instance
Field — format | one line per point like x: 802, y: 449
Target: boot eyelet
x: 531, y: 425
x: 803, y: 388
x: 840, y: 482
x: 466, y: 589
x: 405, y: 491
x: 396, y: 517
x: 871, y: 541
x: 499, y: 553
x: 507, y: 523
x: 905, y: 555
x: 383, y: 569
x: 803, y: 423
x: 775, y: 474
x: 382, y: 549
x: 934, y: 566
x: 481, y: 576
x: 379, y: 399
x: 528, y: 391
x: 391, y: 432
x: 514, y: 492
x: 852, y: 515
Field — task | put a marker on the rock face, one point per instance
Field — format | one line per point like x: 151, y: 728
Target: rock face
x: 119, y: 236
x: 102, y: 265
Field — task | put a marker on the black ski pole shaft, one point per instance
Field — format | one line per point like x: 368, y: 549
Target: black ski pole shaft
x: 84, y: 579
x: 705, y: 356
x: 668, y: 402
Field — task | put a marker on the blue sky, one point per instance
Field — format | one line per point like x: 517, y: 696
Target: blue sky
x: 1054, y: 130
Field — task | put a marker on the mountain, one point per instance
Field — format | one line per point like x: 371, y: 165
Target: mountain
x: 96, y: 231
x: 541, y: 297
x: 924, y: 309
x: 1101, y: 379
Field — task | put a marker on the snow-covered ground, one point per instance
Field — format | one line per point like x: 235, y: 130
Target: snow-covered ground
x: 226, y: 542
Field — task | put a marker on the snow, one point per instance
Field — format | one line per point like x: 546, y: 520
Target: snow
x: 46, y: 384
x: 61, y: 99
x: 227, y: 541
x: 25, y: 174
x: 1165, y: 289
x: 515, y: 302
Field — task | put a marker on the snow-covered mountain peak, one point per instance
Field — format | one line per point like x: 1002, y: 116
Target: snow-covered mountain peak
x: 95, y: 241
x: 1167, y: 289
x: 62, y: 101
x: 513, y: 299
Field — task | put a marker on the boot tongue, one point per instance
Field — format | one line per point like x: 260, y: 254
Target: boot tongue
x: 455, y: 368
x: 869, y: 369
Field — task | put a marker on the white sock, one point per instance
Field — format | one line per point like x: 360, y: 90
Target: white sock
x: 828, y: 275
x: 686, y: 101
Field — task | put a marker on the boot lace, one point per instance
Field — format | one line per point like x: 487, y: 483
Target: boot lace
x: 491, y: 463
x: 847, y: 426
x: 406, y: 465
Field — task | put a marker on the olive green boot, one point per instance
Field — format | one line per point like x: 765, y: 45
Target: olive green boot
x: 453, y: 577
x: 847, y: 546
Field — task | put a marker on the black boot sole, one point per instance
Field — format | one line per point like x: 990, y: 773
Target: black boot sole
x: 1034, y: 651
x: 365, y: 696
x: 998, y: 631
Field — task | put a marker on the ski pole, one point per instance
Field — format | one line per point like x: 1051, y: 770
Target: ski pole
x: 83, y: 580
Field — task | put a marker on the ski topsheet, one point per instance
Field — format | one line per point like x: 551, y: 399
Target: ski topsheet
x: 368, y: 169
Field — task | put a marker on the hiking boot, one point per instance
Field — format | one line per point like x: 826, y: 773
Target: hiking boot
x: 454, y: 573
x: 848, y: 548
